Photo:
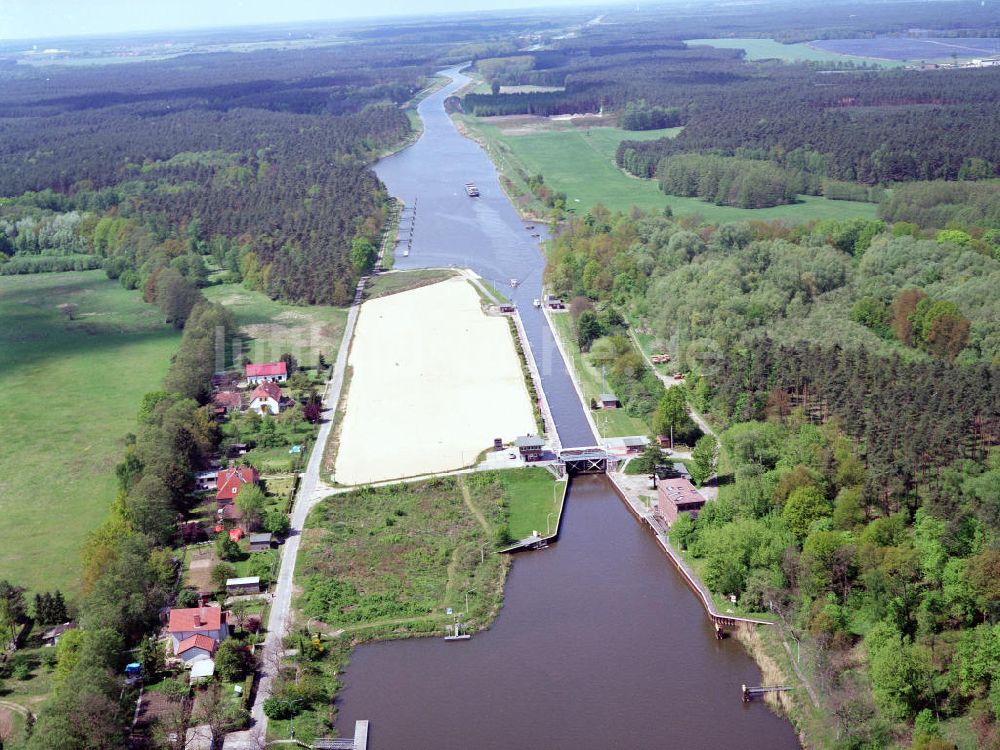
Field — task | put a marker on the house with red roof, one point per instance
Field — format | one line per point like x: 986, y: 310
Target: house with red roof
x: 196, y: 648
x: 274, y: 372
x: 228, y: 482
x: 185, y: 624
x: 266, y: 397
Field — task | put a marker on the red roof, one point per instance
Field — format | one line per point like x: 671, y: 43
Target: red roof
x: 196, y: 641
x: 203, y: 619
x: 228, y: 399
x: 228, y: 481
x: 267, y: 370
x: 267, y: 390
x: 236, y: 534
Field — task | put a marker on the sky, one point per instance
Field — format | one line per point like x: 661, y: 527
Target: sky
x: 41, y: 19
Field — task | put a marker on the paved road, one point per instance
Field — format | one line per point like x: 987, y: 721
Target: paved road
x: 311, y: 491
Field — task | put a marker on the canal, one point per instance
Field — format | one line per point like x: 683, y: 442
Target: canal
x: 599, y: 643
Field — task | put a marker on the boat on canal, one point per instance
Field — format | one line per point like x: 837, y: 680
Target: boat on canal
x: 471, y: 190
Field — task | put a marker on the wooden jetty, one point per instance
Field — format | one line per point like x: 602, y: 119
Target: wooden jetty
x: 360, y: 741
x: 749, y: 693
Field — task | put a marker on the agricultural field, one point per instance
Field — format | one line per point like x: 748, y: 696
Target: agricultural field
x: 924, y: 49
x: 73, y: 387
x: 769, y: 49
x: 270, y: 328
x: 579, y: 161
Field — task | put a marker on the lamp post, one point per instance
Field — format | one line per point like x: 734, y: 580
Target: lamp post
x: 291, y: 721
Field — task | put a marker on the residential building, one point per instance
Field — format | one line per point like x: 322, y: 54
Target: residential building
x: 266, y: 397
x: 676, y: 495
x: 229, y: 480
x: 206, y: 621
x: 274, y: 372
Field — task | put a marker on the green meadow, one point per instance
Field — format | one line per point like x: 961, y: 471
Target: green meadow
x: 269, y: 328
x: 579, y: 161
x: 72, y: 389
x: 769, y: 49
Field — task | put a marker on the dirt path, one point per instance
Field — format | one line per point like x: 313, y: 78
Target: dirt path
x: 15, y: 707
x: 467, y: 497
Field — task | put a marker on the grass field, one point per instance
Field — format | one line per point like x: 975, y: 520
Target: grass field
x: 402, y: 281
x: 269, y: 328
x: 73, y: 388
x: 766, y: 49
x: 611, y: 422
x: 534, y: 501
x: 580, y: 163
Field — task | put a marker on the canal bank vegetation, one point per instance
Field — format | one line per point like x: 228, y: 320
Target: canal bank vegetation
x: 858, y: 469
x: 390, y: 562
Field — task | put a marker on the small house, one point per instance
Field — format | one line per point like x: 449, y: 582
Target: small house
x: 206, y: 621
x: 626, y: 446
x: 227, y: 401
x: 268, y: 372
x: 51, y: 637
x: 530, y: 447
x: 609, y: 401
x: 676, y: 495
x: 196, y: 648
x: 260, y: 542
x: 228, y: 482
x: 266, y: 397
x: 249, y: 585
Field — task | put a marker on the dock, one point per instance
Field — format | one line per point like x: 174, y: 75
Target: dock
x: 360, y: 741
x: 749, y: 693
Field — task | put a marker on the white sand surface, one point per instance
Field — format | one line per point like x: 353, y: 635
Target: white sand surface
x: 433, y: 382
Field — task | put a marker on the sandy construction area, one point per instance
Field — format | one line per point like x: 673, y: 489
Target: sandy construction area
x: 433, y: 382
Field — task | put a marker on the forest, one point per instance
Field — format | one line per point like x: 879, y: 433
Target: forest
x: 854, y: 367
x: 843, y: 121
x: 254, y: 170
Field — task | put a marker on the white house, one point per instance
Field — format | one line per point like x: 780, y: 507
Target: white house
x: 266, y: 397
x: 268, y: 372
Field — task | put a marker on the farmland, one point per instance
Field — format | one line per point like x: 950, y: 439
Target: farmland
x: 73, y: 387
x: 579, y: 161
x: 822, y: 51
x: 929, y: 48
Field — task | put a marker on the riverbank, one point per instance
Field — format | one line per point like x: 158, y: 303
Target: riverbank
x: 396, y: 562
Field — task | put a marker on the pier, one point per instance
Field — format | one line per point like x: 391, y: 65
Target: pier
x: 360, y: 741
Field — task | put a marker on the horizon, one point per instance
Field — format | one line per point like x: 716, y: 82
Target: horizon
x: 23, y: 20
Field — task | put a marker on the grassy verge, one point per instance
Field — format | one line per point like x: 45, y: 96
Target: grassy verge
x: 610, y: 422
x: 529, y: 383
x: 534, y: 501
x: 403, y: 281
x: 271, y: 328
x: 72, y: 388
x: 579, y: 161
